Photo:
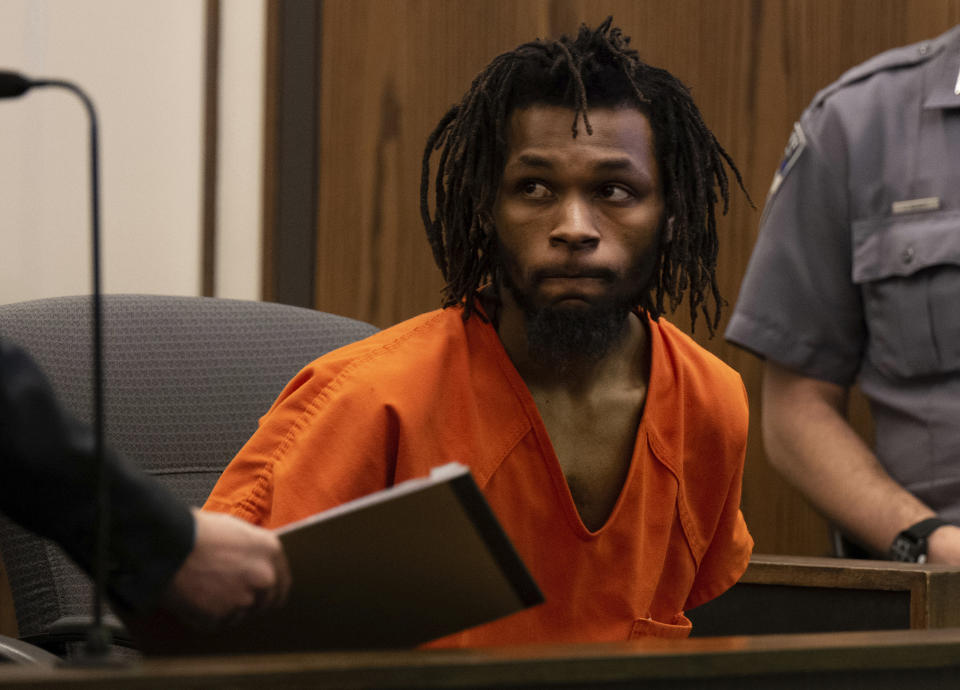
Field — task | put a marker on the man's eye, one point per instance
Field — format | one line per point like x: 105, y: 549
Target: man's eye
x: 614, y: 192
x: 534, y: 190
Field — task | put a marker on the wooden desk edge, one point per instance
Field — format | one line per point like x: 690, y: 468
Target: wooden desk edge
x: 934, y: 589
x: 532, y: 666
x: 842, y: 572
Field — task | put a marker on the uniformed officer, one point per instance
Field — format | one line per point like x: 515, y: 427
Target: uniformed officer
x: 856, y: 278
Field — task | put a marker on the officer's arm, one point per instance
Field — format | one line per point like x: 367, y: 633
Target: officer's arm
x: 810, y: 442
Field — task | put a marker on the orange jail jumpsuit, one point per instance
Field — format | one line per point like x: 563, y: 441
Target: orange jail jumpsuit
x: 435, y: 389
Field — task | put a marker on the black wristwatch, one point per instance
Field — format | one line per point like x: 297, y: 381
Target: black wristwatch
x: 910, y: 546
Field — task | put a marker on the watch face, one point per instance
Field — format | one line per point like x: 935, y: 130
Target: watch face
x: 908, y: 551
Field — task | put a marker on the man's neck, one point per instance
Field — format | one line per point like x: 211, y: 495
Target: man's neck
x: 589, y: 409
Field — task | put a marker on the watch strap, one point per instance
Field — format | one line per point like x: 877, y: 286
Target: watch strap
x: 911, y: 544
x: 924, y: 528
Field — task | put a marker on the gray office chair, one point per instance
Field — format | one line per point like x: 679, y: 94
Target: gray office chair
x: 187, y: 378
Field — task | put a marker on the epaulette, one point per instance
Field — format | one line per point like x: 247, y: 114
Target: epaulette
x: 904, y: 56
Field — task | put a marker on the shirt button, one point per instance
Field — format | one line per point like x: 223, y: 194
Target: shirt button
x: 907, y: 255
x: 924, y: 48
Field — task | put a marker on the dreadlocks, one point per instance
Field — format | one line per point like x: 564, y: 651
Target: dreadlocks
x: 597, y: 69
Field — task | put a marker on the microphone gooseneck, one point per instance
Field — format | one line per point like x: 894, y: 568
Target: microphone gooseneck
x: 13, y: 84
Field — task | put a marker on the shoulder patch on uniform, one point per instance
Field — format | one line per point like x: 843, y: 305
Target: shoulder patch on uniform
x: 794, y: 148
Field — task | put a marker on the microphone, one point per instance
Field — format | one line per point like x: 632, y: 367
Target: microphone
x: 13, y: 84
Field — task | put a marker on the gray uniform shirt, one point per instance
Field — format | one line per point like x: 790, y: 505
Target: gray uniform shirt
x: 856, y: 272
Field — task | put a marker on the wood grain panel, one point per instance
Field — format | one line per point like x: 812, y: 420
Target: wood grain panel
x: 877, y: 660
x: 8, y: 615
x: 802, y: 594
x: 391, y: 69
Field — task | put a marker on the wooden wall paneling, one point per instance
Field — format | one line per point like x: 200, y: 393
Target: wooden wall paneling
x: 211, y: 114
x: 294, y: 41
x: 390, y: 70
x: 271, y: 175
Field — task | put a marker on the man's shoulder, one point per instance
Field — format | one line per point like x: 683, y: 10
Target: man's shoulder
x: 397, y: 361
x: 686, y: 354
x: 415, y: 338
x: 396, y: 352
x: 698, y: 404
x: 899, y: 63
x: 700, y: 379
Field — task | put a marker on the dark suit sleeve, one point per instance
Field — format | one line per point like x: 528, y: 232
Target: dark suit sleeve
x: 49, y: 476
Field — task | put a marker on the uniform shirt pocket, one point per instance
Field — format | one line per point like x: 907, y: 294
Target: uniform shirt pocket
x: 677, y: 628
x: 908, y: 271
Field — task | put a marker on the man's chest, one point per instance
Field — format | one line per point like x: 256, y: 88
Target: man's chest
x: 594, y: 445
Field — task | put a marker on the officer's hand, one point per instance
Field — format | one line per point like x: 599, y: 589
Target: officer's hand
x: 943, y: 545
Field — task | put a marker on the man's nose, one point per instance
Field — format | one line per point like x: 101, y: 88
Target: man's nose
x: 575, y: 225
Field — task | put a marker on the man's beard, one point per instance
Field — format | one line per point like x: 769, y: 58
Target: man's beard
x: 559, y: 336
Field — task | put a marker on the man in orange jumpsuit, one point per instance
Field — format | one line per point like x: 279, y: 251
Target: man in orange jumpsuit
x: 607, y: 442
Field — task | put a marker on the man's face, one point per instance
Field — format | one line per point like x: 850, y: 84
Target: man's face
x: 579, y: 220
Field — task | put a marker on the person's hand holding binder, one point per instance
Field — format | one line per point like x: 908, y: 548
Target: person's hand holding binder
x: 233, y: 570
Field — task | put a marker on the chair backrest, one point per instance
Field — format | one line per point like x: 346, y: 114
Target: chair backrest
x: 186, y: 379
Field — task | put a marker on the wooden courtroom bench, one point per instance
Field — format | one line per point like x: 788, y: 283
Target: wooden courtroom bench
x: 800, y: 594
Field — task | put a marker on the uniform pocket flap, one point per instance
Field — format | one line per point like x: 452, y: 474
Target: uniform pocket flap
x: 900, y: 246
